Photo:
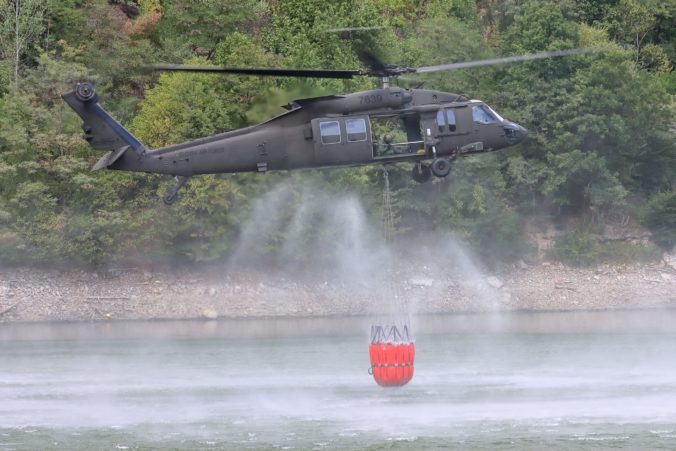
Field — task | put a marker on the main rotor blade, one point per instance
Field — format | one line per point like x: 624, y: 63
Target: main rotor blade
x: 370, y: 59
x: 341, y: 30
x: 376, y: 68
x: 505, y: 60
x: 263, y: 71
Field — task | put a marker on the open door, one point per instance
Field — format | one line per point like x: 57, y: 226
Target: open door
x: 430, y: 131
x: 396, y: 137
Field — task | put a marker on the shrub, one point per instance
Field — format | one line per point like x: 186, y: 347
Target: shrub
x: 628, y: 252
x: 660, y: 218
x: 576, y: 247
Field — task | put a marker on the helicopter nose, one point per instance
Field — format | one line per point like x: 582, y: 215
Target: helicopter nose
x: 514, y: 132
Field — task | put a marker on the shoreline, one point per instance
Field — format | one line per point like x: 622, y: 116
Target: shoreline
x: 645, y: 309
x: 44, y: 295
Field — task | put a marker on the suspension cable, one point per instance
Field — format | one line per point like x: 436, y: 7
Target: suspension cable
x: 388, y: 216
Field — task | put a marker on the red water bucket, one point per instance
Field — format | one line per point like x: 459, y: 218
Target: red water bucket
x: 392, y: 353
x: 392, y: 364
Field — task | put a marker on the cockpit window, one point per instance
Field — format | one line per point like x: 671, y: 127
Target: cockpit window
x: 330, y: 131
x: 482, y: 115
x: 356, y: 129
x: 495, y: 113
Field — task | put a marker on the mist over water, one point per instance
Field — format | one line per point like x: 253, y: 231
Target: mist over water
x: 535, y: 381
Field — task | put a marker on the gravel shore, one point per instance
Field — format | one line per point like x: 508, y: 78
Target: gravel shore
x: 28, y: 294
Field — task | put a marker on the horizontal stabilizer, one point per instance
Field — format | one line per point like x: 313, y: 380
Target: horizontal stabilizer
x: 109, y: 158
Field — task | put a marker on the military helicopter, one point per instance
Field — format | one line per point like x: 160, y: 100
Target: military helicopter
x: 385, y: 125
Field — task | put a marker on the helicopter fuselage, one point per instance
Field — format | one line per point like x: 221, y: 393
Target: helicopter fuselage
x: 377, y: 126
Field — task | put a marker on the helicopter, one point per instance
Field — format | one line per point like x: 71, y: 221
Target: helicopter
x: 380, y: 126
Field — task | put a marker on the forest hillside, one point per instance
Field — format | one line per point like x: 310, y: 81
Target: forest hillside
x: 594, y: 182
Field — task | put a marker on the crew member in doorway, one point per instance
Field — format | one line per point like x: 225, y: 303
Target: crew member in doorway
x: 386, y: 147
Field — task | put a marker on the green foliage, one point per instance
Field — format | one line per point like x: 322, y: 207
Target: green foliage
x: 465, y: 10
x: 5, y: 78
x: 542, y: 26
x: 594, y: 11
x: 66, y: 21
x: 185, y: 106
x: 628, y: 252
x: 598, y: 124
x: 195, y: 28
x: 438, y: 40
x: 104, y: 39
x: 480, y: 211
x: 576, y: 247
x: 630, y: 21
x: 654, y: 58
x: 580, y: 181
x: 660, y: 218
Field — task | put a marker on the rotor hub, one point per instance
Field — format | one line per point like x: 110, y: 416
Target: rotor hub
x: 85, y: 92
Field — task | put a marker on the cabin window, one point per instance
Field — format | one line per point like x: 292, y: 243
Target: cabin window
x: 330, y: 131
x: 441, y: 120
x: 356, y: 129
x: 450, y: 115
x: 482, y: 115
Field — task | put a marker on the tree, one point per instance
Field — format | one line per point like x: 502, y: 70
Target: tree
x: 598, y: 123
x: 631, y: 21
x: 195, y: 28
x: 594, y: 11
x: 661, y: 219
x: 21, y: 25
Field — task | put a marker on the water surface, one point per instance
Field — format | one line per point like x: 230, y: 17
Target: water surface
x: 521, y: 381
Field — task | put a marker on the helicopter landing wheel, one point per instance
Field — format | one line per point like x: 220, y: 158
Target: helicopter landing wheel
x: 170, y: 198
x: 421, y: 173
x: 171, y: 194
x: 441, y: 167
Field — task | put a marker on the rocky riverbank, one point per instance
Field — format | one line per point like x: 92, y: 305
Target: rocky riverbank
x: 134, y: 293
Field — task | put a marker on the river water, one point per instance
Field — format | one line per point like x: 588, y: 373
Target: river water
x: 517, y: 381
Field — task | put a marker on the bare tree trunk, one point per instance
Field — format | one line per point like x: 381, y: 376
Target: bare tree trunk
x: 17, y: 44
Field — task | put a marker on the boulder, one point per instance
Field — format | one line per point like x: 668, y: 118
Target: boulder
x: 494, y: 282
